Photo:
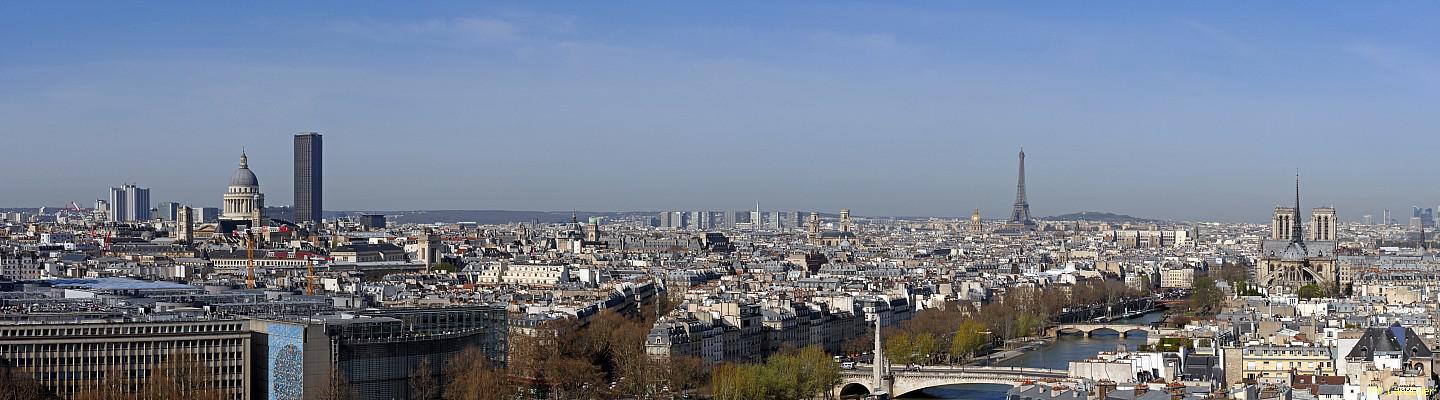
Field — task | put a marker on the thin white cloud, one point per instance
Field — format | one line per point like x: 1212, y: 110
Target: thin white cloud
x: 1396, y: 61
x: 1224, y: 38
x: 469, y: 30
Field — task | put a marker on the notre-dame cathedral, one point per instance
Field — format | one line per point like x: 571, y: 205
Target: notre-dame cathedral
x: 1290, y: 258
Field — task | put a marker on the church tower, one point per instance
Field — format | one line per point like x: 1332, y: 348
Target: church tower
x: 1283, y: 223
x: 429, y: 248
x: 1322, y: 224
x: 185, y: 225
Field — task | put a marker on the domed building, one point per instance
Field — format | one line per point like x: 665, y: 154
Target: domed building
x: 244, y: 204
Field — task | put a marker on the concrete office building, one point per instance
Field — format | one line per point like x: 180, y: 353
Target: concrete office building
x: 373, y: 221
x: 206, y: 215
x: 137, y: 203
x: 75, y: 356
x: 308, y: 177
x: 168, y: 211
x: 115, y: 206
x: 129, y: 203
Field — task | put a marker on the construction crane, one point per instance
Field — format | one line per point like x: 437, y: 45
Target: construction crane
x: 249, y: 260
x: 310, y: 277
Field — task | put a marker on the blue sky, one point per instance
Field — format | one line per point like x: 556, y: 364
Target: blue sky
x: 1193, y: 110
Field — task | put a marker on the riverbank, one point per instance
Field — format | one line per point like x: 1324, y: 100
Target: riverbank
x: 1031, y: 344
x: 1001, y: 356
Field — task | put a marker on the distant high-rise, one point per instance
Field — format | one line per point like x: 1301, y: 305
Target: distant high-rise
x: 757, y: 220
x: 308, y: 173
x: 207, y: 214
x: 1020, y: 212
x: 139, y: 202
x: 129, y: 203
x: 117, y: 205
x: 169, y: 210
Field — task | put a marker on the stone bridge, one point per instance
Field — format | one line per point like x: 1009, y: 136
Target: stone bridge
x: 1152, y: 333
x: 859, y: 380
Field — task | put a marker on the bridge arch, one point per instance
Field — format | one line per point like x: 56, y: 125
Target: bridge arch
x: 913, y: 390
x: 1135, y: 331
x: 900, y: 383
x: 1105, y: 331
x: 854, y: 389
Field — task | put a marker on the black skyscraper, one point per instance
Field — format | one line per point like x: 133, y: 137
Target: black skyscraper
x: 308, y: 172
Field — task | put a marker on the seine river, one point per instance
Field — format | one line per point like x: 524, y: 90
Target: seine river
x: 1055, y: 356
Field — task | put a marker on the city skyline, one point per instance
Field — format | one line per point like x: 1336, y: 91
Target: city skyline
x: 1357, y: 216
x: 724, y: 201
x: 926, y: 105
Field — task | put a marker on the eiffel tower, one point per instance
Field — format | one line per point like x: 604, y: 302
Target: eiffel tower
x: 1020, y: 212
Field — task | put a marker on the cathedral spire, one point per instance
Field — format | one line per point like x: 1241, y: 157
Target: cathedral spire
x: 1296, y: 227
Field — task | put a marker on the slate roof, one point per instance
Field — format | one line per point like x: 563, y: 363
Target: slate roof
x: 1391, y: 339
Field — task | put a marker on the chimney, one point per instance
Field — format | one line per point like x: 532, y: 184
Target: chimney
x: 1106, y: 387
x: 1177, y: 391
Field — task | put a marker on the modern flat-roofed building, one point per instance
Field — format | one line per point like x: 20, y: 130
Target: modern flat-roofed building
x: 129, y: 203
x: 76, y: 356
x: 374, y: 350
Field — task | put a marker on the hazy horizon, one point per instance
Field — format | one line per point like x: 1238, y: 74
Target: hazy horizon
x: 1170, y: 111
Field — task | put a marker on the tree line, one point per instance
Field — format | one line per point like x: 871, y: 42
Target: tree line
x: 563, y: 359
x: 605, y: 357
x: 808, y: 373
x: 960, y: 331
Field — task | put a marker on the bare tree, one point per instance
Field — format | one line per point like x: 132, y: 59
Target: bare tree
x: 422, y: 383
x: 19, y: 385
x: 337, y: 388
x: 684, y: 373
x: 469, y: 377
x: 572, y: 378
x: 113, y: 385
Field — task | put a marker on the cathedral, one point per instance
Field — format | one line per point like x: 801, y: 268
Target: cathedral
x: 1291, y: 259
x: 244, y: 204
